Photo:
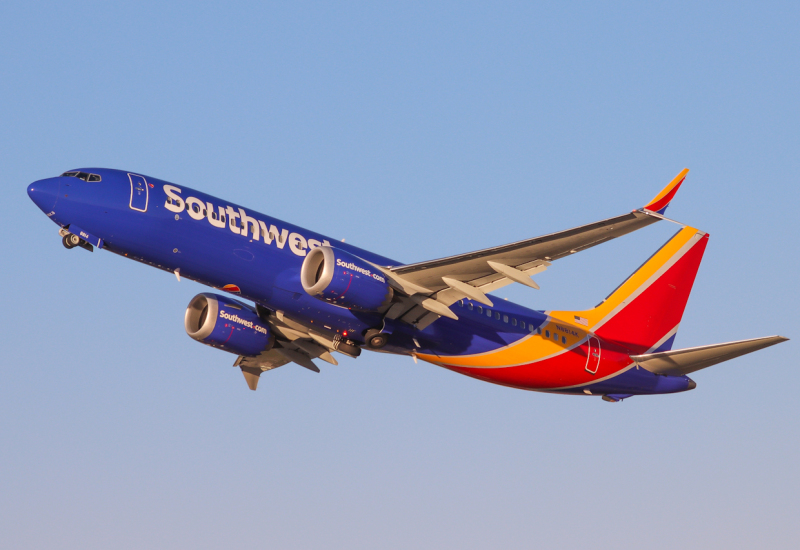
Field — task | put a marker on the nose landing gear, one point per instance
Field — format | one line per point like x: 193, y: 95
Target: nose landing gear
x: 71, y: 241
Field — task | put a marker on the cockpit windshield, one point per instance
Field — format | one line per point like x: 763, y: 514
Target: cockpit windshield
x: 85, y: 176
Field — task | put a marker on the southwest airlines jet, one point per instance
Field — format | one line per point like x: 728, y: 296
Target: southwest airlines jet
x: 301, y: 296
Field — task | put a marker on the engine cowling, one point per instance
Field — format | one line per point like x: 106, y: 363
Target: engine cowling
x: 226, y: 324
x: 344, y: 280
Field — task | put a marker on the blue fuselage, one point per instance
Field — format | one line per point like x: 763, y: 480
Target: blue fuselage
x: 175, y: 228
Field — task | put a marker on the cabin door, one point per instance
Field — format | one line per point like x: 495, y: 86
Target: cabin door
x: 140, y: 193
x: 593, y: 355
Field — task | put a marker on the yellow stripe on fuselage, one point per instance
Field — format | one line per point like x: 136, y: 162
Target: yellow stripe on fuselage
x: 527, y: 350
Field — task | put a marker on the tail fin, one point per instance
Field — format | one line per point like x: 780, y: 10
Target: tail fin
x: 644, y: 312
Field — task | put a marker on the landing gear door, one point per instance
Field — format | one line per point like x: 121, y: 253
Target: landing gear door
x: 140, y: 193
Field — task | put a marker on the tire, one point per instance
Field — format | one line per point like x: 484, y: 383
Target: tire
x: 66, y: 242
x: 347, y: 347
x: 376, y: 339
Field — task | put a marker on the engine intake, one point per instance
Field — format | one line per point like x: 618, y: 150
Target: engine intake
x: 344, y: 280
x: 226, y: 324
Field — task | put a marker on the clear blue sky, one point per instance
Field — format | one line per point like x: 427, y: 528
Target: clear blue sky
x: 417, y: 131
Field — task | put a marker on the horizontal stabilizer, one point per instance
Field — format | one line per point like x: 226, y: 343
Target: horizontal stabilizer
x: 683, y: 361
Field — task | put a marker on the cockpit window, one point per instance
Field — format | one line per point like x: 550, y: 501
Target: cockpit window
x: 82, y: 175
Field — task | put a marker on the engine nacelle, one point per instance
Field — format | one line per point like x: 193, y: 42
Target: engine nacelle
x: 345, y: 280
x: 226, y: 324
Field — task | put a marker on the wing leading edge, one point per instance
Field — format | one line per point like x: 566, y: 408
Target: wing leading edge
x: 474, y: 274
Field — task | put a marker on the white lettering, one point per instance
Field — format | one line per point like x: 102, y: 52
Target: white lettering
x: 198, y: 210
x: 195, y: 207
x: 297, y: 244
x: 174, y: 202
x: 236, y: 319
x: 217, y: 220
x: 247, y: 220
x: 232, y: 215
x: 353, y: 267
x: 273, y: 234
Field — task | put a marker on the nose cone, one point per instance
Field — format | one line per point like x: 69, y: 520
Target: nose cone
x: 44, y: 193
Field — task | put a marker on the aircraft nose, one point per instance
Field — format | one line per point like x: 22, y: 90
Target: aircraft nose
x: 44, y: 193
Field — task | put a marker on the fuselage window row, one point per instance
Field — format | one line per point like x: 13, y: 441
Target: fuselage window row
x: 506, y: 318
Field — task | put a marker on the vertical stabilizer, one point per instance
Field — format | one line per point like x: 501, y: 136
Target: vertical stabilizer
x: 644, y: 312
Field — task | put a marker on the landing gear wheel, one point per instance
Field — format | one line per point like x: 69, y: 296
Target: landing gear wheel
x: 71, y: 241
x: 348, y: 347
x: 376, y: 339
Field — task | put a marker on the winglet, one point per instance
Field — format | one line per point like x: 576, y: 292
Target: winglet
x: 661, y: 201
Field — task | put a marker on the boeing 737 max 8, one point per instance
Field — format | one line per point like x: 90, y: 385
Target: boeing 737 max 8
x: 301, y: 296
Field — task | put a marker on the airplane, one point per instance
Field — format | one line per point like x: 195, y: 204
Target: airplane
x: 294, y: 296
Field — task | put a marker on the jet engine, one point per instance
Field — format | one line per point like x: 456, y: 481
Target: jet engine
x: 227, y: 324
x: 344, y: 280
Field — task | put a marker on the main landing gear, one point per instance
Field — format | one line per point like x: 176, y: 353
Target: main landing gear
x: 376, y: 339
x: 346, y: 346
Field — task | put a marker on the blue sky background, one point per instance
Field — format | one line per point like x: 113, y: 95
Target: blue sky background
x: 417, y: 131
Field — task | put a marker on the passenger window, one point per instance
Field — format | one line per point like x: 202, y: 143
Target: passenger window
x: 555, y: 337
x: 530, y: 327
x: 522, y: 324
x: 505, y: 318
x: 196, y: 208
x: 480, y: 310
x: 469, y: 306
x: 497, y: 315
x: 461, y: 303
x: 538, y: 331
x: 489, y: 313
x: 547, y: 334
x: 514, y: 321
x: 563, y: 339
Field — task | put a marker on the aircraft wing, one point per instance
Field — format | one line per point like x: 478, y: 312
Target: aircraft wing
x: 432, y: 286
x: 293, y: 344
